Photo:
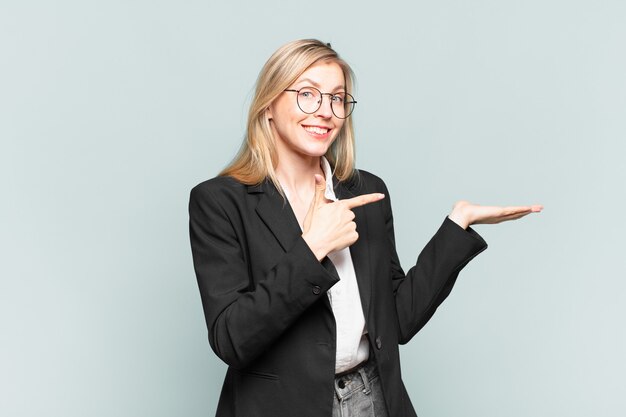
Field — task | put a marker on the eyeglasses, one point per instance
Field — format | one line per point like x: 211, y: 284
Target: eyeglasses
x: 309, y: 100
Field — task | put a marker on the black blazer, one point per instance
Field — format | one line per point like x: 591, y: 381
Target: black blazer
x: 265, y: 303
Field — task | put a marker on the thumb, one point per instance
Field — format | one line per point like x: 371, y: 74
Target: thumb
x: 320, y: 188
x: 318, y: 198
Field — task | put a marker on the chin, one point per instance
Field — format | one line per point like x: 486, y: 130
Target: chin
x: 316, y: 151
x: 317, y: 147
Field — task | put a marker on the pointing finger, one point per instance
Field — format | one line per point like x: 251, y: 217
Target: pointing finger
x: 363, y: 200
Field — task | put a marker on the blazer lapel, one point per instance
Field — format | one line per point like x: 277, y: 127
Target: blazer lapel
x: 277, y: 214
x: 360, y: 250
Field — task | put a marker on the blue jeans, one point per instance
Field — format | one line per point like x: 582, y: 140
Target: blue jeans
x: 359, y: 394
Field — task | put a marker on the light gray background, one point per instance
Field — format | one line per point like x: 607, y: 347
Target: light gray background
x: 110, y: 111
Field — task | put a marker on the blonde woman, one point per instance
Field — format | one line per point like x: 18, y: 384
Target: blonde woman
x: 294, y: 252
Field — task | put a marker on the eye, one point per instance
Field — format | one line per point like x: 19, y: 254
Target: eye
x: 308, y: 93
x: 337, y: 99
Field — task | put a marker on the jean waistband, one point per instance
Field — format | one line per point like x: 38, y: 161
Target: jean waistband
x: 356, y: 379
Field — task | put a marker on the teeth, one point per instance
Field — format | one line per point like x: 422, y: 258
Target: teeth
x: 314, y: 129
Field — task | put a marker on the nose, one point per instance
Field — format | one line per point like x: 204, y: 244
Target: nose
x: 325, y: 111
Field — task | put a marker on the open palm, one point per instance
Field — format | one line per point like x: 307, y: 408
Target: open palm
x: 465, y: 213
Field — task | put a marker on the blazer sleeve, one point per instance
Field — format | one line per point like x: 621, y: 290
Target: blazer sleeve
x: 426, y: 285
x: 243, y: 321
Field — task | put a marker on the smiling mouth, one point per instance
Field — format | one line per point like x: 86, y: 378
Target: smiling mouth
x: 316, y: 130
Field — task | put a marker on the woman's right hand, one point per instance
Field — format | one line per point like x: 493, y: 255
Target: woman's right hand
x: 329, y: 226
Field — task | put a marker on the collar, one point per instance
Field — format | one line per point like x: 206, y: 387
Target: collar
x: 329, y: 193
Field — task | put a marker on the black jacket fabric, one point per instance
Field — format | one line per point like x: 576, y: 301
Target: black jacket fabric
x: 265, y: 303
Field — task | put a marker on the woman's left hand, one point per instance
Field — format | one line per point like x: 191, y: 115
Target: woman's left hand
x: 465, y: 213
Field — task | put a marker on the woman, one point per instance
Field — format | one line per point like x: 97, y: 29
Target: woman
x: 294, y: 252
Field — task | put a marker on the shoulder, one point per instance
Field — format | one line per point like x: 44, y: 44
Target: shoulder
x: 363, y: 182
x: 219, y: 185
x: 219, y: 191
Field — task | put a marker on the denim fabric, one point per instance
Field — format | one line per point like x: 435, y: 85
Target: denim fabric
x: 359, y: 394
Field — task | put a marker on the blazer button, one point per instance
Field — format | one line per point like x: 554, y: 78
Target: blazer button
x: 316, y: 289
x: 379, y: 343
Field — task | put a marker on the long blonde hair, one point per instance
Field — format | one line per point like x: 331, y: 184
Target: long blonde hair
x: 257, y: 158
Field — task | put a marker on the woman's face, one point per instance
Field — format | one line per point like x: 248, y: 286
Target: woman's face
x: 307, y: 135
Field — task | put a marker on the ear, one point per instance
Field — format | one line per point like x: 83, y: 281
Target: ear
x: 268, y: 113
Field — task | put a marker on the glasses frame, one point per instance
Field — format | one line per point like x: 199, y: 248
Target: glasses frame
x: 349, y: 98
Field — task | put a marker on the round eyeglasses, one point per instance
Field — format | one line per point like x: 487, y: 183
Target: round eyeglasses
x: 309, y: 100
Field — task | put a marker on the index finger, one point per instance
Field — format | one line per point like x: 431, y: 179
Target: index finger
x: 362, y: 200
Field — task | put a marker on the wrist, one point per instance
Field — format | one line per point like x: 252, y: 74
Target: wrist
x: 316, y: 247
x: 459, y: 216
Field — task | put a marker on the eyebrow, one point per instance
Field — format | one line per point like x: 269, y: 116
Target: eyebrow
x: 315, y: 84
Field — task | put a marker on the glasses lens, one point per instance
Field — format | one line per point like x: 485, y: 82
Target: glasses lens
x: 309, y: 99
x: 343, y: 104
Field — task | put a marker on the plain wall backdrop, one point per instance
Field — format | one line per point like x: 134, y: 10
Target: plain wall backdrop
x: 110, y: 111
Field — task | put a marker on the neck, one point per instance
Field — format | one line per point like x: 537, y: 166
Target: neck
x: 297, y: 175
